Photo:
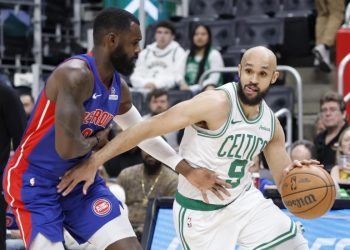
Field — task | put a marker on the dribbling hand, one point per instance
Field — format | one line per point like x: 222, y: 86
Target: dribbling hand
x: 299, y: 164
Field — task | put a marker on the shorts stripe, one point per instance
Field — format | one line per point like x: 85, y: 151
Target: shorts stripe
x: 181, y: 227
x: 279, y: 239
x: 19, y: 164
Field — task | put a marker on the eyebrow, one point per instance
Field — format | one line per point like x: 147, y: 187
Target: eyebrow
x: 251, y: 65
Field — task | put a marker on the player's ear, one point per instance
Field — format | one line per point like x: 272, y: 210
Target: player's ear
x: 113, y: 39
x: 275, y: 76
x: 239, y: 70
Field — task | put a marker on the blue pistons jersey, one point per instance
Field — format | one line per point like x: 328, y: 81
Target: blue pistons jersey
x: 103, y: 104
x: 37, y: 145
x: 31, y: 176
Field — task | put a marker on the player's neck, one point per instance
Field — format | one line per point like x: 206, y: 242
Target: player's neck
x: 104, y: 67
x: 250, y: 112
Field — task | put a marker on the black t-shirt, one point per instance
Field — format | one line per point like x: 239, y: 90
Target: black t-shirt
x: 12, y: 123
x: 326, y: 153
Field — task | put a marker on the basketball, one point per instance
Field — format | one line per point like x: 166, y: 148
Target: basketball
x: 308, y: 192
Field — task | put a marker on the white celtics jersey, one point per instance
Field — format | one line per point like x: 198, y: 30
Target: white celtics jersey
x: 228, y: 150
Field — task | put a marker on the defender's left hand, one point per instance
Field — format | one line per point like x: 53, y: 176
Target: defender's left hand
x: 83, y: 172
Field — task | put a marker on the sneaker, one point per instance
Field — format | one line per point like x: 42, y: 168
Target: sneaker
x: 322, y: 55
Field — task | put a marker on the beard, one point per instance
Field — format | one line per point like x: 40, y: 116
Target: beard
x: 152, y: 165
x: 157, y: 111
x: 121, y: 62
x: 250, y: 101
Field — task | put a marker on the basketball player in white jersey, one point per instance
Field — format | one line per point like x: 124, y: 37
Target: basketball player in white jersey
x: 225, y: 129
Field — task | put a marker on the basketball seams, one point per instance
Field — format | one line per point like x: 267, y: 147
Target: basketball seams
x: 308, y: 209
x: 333, y: 190
x: 312, y: 174
x: 307, y: 190
x: 325, y: 197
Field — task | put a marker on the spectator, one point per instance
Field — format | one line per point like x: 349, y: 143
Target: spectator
x: 12, y: 124
x: 28, y: 103
x: 158, y: 64
x: 158, y: 102
x: 341, y: 171
x: 333, y: 117
x: 330, y: 15
x: 143, y: 182
x: 25, y: 95
x: 302, y: 150
x: 200, y: 58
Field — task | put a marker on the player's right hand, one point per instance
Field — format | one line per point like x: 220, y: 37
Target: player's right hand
x: 299, y: 164
x: 207, y: 180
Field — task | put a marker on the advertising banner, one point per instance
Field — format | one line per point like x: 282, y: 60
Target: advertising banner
x: 331, y: 231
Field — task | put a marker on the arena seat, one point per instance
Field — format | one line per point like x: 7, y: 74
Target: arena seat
x: 256, y: 7
x: 297, y: 5
x: 149, y: 36
x: 16, y: 30
x: 259, y: 31
x: 296, y: 50
x: 182, y: 32
x: 280, y: 97
x: 223, y: 33
x: 138, y: 101
x: 214, y: 8
x: 176, y: 96
x: 232, y: 56
x: 56, y: 12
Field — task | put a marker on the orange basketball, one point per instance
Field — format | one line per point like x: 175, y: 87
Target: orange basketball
x: 308, y: 192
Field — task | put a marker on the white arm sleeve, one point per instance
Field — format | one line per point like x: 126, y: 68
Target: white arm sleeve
x: 156, y: 147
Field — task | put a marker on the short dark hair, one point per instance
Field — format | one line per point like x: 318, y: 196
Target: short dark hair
x: 166, y: 24
x: 333, y: 97
x: 112, y: 19
x: 157, y: 93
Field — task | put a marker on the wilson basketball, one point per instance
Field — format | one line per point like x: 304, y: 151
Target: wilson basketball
x: 308, y: 192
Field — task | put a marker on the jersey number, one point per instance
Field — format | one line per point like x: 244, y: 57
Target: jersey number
x: 236, y: 171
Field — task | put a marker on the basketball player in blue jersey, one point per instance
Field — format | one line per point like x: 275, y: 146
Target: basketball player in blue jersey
x: 71, y: 118
x: 225, y: 129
